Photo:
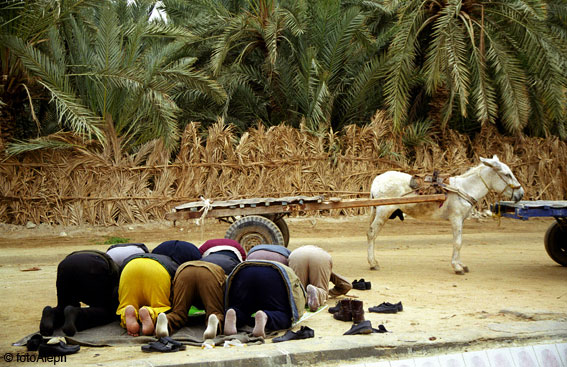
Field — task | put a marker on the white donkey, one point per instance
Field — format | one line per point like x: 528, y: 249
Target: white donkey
x: 462, y: 193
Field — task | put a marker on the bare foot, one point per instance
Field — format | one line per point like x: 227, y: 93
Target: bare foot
x: 161, y: 326
x: 132, y: 325
x: 260, y: 324
x: 212, y: 327
x: 147, y: 322
x: 312, y: 299
x: 230, y: 322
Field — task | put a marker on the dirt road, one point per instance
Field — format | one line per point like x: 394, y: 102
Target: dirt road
x: 511, y: 279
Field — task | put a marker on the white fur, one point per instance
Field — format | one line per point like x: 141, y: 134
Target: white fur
x: 491, y: 175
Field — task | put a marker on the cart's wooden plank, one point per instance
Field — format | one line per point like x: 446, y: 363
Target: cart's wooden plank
x: 228, y: 212
x: 359, y: 203
x: 245, y: 202
x: 306, y: 206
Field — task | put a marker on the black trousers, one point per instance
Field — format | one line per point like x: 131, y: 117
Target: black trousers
x: 88, y: 278
x: 256, y: 288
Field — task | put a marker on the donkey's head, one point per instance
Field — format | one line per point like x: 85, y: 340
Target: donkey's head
x: 502, y: 180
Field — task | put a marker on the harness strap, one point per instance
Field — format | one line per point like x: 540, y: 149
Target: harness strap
x: 461, y: 193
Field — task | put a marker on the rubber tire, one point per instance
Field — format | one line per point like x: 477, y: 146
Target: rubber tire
x: 282, y: 225
x: 254, y: 230
x: 555, y: 241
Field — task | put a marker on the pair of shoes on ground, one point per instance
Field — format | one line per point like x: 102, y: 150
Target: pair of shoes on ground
x: 387, y: 307
x: 303, y: 333
x: 365, y: 327
x: 165, y: 344
x: 361, y: 285
x: 48, y: 347
x: 348, y: 310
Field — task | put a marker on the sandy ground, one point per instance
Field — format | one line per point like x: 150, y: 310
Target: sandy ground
x: 511, y: 279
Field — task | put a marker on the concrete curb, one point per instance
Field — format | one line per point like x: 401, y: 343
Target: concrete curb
x: 355, y: 347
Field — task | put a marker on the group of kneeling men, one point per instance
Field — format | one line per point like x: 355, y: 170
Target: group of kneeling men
x: 151, y: 293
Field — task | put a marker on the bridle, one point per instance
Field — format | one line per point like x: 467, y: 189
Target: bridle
x: 508, y: 185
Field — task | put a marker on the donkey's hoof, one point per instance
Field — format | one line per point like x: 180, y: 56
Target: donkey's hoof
x: 375, y: 267
x: 465, y: 269
x: 459, y: 272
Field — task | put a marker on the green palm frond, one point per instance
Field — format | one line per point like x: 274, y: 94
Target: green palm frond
x: 511, y: 82
x: 185, y: 76
x: 402, y: 52
x: 483, y: 94
x: 335, y: 55
x: 71, y: 111
x: 367, y: 82
x: 416, y: 133
x: 166, y: 30
x: 47, y: 142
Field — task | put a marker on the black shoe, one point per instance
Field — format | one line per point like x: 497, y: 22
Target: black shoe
x: 169, y: 339
x: 57, y: 349
x: 34, y: 342
x: 387, y: 307
x: 361, y: 284
x: 47, y: 321
x: 164, y: 345
x: 381, y: 329
x: 71, y: 313
x: 364, y: 327
x: 303, y: 333
x: 335, y: 308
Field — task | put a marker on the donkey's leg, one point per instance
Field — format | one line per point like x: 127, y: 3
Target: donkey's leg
x: 377, y: 220
x: 458, y: 266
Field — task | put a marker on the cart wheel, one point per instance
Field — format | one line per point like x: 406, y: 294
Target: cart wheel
x: 556, y: 243
x: 282, y: 225
x: 254, y: 230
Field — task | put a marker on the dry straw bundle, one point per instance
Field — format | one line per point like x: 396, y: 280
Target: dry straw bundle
x: 108, y: 187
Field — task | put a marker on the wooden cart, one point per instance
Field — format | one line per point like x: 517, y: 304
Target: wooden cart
x: 261, y: 220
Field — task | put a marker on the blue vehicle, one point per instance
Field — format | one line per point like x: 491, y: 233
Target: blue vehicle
x: 555, y: 239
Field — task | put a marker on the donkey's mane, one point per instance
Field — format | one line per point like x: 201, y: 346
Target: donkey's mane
x: 470, y: 172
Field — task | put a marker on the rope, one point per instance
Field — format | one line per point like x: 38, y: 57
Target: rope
x: 205, y: 209
x: 498, y: 214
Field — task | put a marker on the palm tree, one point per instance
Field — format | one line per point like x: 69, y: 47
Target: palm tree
x: 299, y: 62
x: 486, y: 61
x: 109, y: 70
x: 24, y: 100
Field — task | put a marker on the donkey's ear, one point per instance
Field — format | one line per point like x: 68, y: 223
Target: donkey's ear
x: 487, y: 161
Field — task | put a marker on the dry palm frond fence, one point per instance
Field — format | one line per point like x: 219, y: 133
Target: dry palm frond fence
x: 107, y: 187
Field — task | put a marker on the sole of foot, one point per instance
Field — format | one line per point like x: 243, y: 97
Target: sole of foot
x: 312, y: 300
x: 260, y: 324
x: 147, y: 322
x: 230, y: 322
x: 131, y: 320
